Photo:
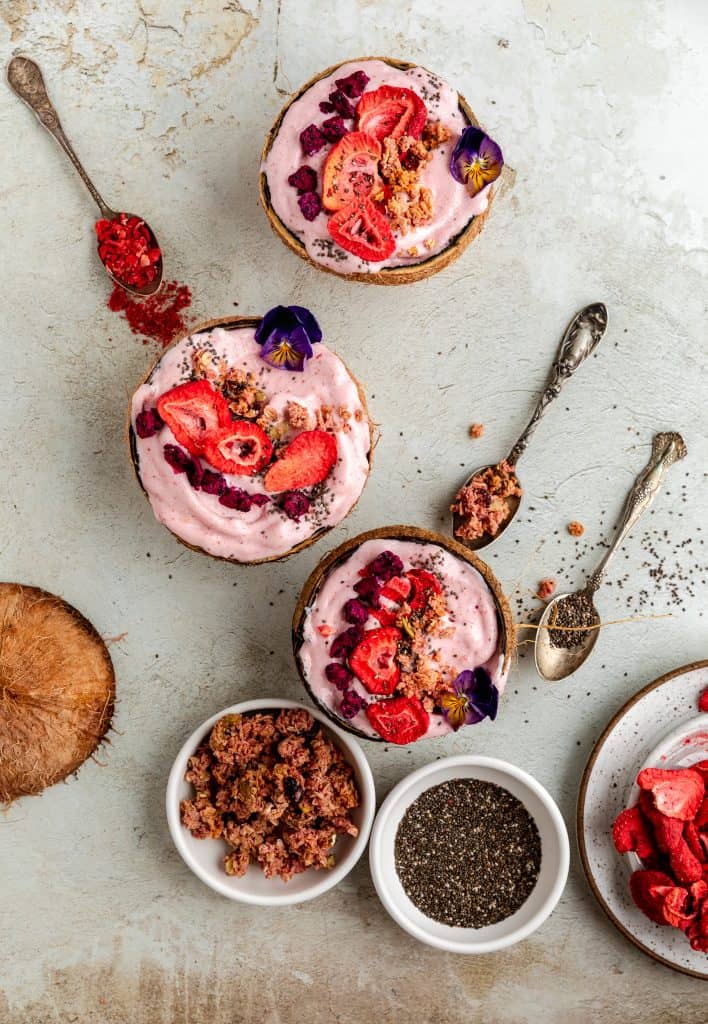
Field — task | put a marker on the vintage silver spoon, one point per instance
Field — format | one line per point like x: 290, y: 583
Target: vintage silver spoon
x: 556, y: 662
x: 26, y: 80
x: 580, y: 340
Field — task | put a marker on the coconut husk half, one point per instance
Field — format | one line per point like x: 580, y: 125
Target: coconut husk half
x: 236, y: 323
x: 507, y: 628
x: 57, y: 690
x: 387, y: 275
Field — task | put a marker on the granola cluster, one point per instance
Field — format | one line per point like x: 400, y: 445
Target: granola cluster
x: 275, y: 789
x: 407, y: 202
x: 483, y: 504
x: 423, y: 674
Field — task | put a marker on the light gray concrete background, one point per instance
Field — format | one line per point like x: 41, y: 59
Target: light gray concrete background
x: 601, y: 109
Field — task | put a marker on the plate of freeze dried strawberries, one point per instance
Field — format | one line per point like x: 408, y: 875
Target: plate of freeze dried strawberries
x: 643, y: 820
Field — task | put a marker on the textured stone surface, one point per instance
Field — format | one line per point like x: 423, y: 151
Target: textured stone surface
x: 601, y: 111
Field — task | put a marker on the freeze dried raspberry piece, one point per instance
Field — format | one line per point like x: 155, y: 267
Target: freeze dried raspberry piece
x: 630, y: 832
x: 333, y: 129
x: 304, y: 179
x: 310, y: 205
x: 312, y: 140
x: 353, y: 85
x: 677, y: 793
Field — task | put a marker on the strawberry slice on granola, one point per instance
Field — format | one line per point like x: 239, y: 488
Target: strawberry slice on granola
x: 391, y: 112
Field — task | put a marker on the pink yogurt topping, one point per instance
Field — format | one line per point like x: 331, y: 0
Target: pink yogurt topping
x: 453, y: 206
x: 473, y: 642
x: 198, y: 518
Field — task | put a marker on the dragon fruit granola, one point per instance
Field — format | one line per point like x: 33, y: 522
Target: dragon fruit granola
x: 275, y: 788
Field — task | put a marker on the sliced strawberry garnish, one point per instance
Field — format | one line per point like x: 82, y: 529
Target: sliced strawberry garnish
x: 424, y: 584
x: 674, y: 907
x: 373, y: 660
x: 391, y: 111
x: 693, y: 841
x: 702, y: 767
x: 399, y: 720
x: 351, y: 170
x: 701, y: 819
x: 242, y: 449
x: 194, y: 412
x: 305, y: 462
x: 686, y: 867
x: 384, y: 616
x: 667, y: 831
x: 363, y: 230
x: 677, y: 793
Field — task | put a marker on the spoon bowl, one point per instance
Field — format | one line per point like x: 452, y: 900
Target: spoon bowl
x: 485, y: 540
x: 152, y: 286
x: 555, y: 662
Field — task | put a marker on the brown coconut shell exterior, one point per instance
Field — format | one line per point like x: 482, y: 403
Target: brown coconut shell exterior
x: 235, y: 322
x: 507, y: 628
x: 388, y: 275
x: 57, y: 690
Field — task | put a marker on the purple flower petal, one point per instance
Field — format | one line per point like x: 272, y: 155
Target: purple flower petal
x: 287, y: 351
x: 476, y: 160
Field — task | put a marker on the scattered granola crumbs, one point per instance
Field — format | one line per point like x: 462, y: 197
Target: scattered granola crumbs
x: 413, y: 251
x: 359, y: 415
x: 434, y: 134
x: 298, y: 416
x: 575, y: 529
x: 546, y: 588
x: 429, y: 243
x: 477, y: 430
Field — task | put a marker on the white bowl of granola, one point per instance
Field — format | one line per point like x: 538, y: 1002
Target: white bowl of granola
x: 269, y: 803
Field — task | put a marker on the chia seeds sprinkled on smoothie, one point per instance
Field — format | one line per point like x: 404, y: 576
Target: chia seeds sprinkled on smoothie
x: 468, y: 853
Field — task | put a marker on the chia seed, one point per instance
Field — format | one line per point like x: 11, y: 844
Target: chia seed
x: 468, y: 853
x: 573, y: 613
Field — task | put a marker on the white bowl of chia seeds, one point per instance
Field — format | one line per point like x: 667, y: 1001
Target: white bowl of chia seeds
x: 469, y: 854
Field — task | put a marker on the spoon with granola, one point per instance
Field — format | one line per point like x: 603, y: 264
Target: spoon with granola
x: 490, y: 497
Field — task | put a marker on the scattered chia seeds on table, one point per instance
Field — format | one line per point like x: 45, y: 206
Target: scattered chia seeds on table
x: 575, y: 612
x: 468, y: 853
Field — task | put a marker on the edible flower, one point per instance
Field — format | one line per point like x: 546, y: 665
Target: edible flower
x: 287, y: 334
x: 474, y: 697
x: 476, y: 160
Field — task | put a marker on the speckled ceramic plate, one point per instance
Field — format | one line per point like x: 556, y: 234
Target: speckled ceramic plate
x: 624, y: 748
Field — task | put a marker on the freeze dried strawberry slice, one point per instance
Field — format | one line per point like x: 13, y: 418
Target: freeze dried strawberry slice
x: 397, y: 589
x: 242, y: 449
x: 362, y: 230
x: 351, y: 170
x: 703, y: 701
x: 399, y: 719
x: 648, y: 890
x: 194, y: 412
x: 667, y: 831
x: 674, y: 907
x: 384, y: 616
x: 630, y: 832
x: 702, y: 768
x: 424, y: 584
x: 391, y: 111
x: 685, y: 866
x: 693, y: 841
x: 677, y: 793
x: 306, y: 461
x: 373, y: 660
x: 701, y: 819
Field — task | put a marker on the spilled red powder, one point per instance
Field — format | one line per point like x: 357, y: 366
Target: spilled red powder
x: 157, y: 317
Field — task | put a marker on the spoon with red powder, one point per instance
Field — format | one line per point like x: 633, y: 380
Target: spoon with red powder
x: 127, y: 246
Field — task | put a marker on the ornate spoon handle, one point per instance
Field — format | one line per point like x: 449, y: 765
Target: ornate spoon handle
x: 580, y: 340
x: 666, y: 449
x: 26, y: 80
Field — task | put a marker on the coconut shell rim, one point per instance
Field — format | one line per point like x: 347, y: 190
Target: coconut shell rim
x: 92, y: 634
x: 387, y: 275
x: 397, y: 532
x: 242, y: 322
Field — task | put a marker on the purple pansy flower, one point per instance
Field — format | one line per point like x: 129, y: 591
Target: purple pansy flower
x: 287, y: 334
x: 476, y: 160
x: 474, y: 697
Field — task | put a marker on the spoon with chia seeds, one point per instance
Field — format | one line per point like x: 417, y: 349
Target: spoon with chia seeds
x: 570, y: 623
x: 488, y: 501
x: 25, y: 78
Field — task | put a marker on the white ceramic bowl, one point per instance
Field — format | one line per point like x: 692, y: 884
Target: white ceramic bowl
x: 555, y: 855
x: 205, y: 856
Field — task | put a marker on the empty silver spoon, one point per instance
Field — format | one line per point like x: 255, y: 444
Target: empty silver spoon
x: 26, y: 80
x: 580, y: 340
x: 555, y: 661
